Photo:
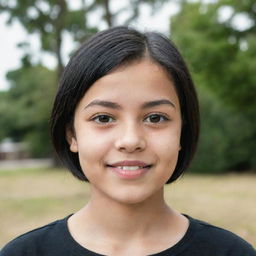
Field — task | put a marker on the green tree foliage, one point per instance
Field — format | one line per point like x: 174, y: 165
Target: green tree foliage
x: 222, y: 56
x: 4, y: 120
x: 25, y: 108
x: 49, y: 19
x: 26, y: 117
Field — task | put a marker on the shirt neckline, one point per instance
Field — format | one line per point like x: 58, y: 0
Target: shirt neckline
x: 176, y: 249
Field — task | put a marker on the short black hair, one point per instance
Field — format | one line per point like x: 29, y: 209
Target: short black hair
x: 98, y: 56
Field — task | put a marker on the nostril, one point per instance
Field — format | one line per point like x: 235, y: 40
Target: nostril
x: 130, y: 140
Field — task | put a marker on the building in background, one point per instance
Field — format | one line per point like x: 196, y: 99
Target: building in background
x: 10, y: 150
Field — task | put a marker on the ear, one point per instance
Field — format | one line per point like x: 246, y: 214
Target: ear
x: 71, y: 139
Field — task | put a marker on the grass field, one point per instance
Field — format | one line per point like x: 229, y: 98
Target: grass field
x: 31, y: 198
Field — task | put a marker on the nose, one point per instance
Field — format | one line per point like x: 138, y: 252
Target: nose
x: 130, y: 139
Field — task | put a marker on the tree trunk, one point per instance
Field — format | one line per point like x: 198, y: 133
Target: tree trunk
x: 108, y: 14
x: 59, y: 26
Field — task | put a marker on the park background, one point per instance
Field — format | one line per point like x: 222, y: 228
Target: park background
x: 217, y: 39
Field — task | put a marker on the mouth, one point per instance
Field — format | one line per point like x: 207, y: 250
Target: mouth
x: 129, y: 169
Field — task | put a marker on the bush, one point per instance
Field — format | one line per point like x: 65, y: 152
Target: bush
x: 226, y: 138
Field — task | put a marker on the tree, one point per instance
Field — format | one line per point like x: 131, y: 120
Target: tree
x: 26, y: 117
x: 222, y: 58
x: 24, y: 109
x: 50, y: 19
x: 219, y: 48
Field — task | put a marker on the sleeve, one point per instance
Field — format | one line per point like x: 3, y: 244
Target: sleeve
x: 15, y: 248
x: 242, y: 249
x: 43, y: 241
x: 24, y: 245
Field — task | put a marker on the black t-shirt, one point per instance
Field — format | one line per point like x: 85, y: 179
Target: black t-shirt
x: 201, y: 239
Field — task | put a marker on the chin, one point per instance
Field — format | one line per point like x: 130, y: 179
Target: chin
x: 133, y: 197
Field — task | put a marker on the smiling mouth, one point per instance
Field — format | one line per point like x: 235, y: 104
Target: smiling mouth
x: 129, y: 172
x: 129, y: 168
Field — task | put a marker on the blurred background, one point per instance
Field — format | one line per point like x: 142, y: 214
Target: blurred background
x: 218, y: 41
x: 217, y: 38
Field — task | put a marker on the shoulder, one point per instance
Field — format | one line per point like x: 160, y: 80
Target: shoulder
x: 210, y: 237
x: 33, y: 242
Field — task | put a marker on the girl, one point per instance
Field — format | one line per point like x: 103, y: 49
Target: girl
x: 126, y: 119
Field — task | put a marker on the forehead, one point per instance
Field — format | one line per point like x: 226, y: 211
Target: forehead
x: 138, y: 81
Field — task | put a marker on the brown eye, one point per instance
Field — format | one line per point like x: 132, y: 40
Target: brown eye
x: 156, y: 118
x: 103, y: 119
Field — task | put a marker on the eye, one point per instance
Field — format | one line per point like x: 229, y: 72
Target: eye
x: 156, y: 118
x: 103, y: 119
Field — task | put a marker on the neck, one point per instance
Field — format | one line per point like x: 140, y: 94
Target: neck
x: 119, y: 228
x: 119, y: 219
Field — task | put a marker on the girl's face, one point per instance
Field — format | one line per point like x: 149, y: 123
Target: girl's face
x: 127, y: 132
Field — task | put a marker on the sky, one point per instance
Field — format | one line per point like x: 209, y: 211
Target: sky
x: 11, y: 35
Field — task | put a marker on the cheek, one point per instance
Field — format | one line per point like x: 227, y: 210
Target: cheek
x: 91, y: 148
x: 168, y: 140
x: 167, y: 146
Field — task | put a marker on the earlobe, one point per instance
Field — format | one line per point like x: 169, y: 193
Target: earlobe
x: 71, y: 139
x: 73, y: 145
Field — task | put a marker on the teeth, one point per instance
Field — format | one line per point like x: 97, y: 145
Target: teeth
x: 129, y: 168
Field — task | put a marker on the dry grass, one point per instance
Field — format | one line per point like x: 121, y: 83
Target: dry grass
x: 228, y: 201
x: 31, y: 198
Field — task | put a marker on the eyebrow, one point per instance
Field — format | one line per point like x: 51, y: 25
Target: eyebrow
x: 154, y: 103
x: 113, y: 105
x: 104, y: 103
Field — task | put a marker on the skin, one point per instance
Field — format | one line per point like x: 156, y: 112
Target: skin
x: 128, y: 216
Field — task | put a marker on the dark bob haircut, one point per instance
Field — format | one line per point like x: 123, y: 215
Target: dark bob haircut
x: 100, y: 55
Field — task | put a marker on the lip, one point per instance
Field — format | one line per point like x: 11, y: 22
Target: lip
x: 129, y: 174
x: 129, y: 163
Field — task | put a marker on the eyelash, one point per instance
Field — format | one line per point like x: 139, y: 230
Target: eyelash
x: 99, y: 116
x: 163, y: 118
